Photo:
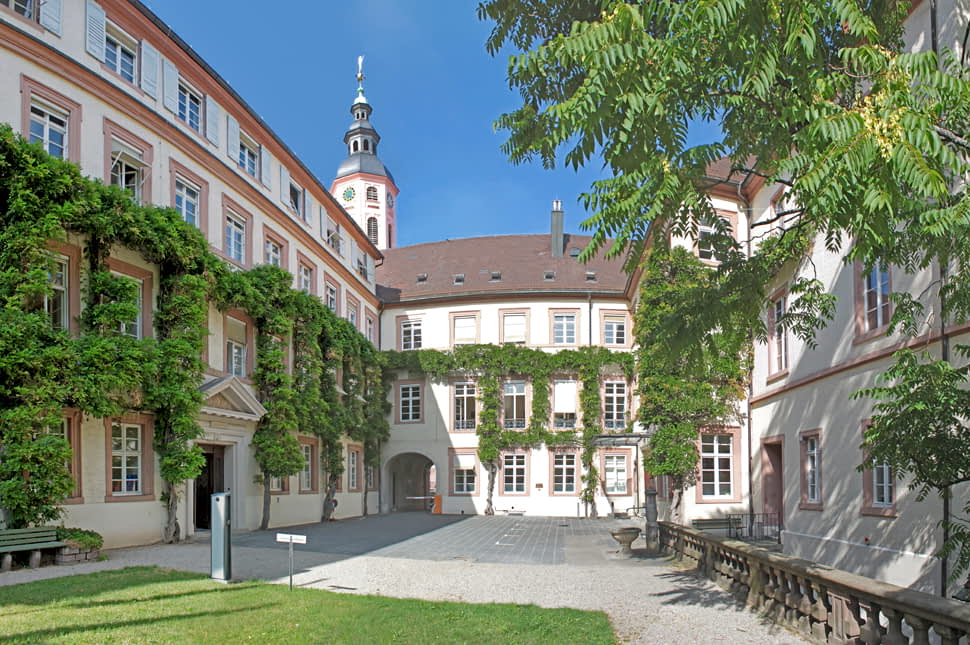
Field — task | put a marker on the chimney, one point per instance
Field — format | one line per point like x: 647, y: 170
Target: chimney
x: 557, y: 234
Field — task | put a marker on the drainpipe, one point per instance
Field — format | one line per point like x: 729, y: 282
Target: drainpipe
x: 746, y: 204
x: 944, y: 339
x: 589, y: 326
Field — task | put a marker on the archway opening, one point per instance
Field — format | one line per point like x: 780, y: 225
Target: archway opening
x: 412, y: 481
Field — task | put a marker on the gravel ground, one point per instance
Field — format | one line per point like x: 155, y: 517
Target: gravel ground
x: 649, y: 600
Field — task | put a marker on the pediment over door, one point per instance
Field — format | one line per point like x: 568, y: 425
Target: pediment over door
x: 230, y: 398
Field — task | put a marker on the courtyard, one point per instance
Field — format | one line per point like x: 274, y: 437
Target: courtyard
x: 548, y: 562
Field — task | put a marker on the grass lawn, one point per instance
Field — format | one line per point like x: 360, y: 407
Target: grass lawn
x: 152, y: 605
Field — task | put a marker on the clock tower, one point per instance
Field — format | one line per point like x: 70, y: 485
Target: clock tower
x: 363, y: 185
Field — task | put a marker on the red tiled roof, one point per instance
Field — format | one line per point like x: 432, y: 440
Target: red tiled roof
x: 721, y: 169
x: 522, y: 261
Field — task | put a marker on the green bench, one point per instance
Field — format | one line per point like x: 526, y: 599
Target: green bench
x: 33, y: 540
x: 715, y: 524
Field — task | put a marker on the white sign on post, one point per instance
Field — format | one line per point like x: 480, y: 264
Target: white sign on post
x: 289, y: 538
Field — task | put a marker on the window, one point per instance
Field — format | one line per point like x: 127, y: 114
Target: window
x: 564, y: 473
x: 369, y: 329
x: 410, y: 334
x: 464, y: 329
x: 371, y: 192
x: 513, y: 474
x: 410, y: 403
x: 189, y: 107
x: 372, y: 229
x: 332, y: 297
x: 248, y: 158
x: 716, y: 465
x: 235, y: 239
x: 134, y: 327
x: 353, y: 469
x: 514, y: 405
x: 464, y: 481
x: 883, y: 486
x: 56, y: 302
x: 333, y: 236
x: 296, y: 200
x: 127, y: 176
x: 187, y: 202
x: 811, y: 469
x: 48, y: 127
x: 564, y: 329
x: 353, y: 311
x: 119, y: 55
x: 876, y: 298
x: 614, y: 405
x: 308, y: 472
x: 564, y: 404
x: 23, y: 7
x: 236, y: 347
x: 278, y: 484
x: 614, y: 329
x: 272, y: 253
x: 514, y: 327
x: 464, y: 406
x: 614, y: 472
x: 126, y: 453
x: 705, y: 241
x: 777, y: 336
x: 305, y: 278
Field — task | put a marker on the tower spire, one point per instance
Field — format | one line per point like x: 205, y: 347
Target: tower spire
x: 360, y: 76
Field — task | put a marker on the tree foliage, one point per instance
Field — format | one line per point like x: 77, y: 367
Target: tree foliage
x: 818, y: 96
x: 681, y: 394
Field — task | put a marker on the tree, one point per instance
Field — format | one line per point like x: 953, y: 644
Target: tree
x: 818, y: 96
x: 681, y: 395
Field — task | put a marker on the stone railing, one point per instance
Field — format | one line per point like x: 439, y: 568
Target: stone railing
x: 826, y: 605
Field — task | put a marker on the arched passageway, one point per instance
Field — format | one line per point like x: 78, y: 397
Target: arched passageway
x: 411, y: 479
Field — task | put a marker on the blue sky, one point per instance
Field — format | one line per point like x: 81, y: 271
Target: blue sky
x: 434, y: 89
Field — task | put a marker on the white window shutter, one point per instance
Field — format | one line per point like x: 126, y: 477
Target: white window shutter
x: 307, y: 206
x: 50, y: 16
x: 94, y: 39
x: 464, y: 461
x: 564, y: 397
x: 149, y: 70
x: 514, y: 328
x: 232, y: 138
x: 284, y: 185
x: 464, y: 329
x: 344, y: 244
x: 170, y: 86
x: 213, y: 114
x: 265, y: 167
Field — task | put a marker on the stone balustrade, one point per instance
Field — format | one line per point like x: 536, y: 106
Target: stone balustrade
x: 826, y: 605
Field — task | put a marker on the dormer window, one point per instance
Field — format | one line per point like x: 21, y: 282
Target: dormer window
x: 459, y: 278
x: 496, y: 276
x: 574, y: 252
x: 591, y: 276
x: 366, y: 145
x: 355, y: 147
x: 422, y: 277
x: 549, y: 276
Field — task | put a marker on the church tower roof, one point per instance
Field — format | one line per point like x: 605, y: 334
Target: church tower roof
x: 361, y: 137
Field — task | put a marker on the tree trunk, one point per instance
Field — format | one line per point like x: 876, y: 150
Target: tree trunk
x: 264, y: 524
x: 171, y: 533
x: 328, y: 499
x: 489, y: 509
x: 675, y: 506
x: 364, y: 498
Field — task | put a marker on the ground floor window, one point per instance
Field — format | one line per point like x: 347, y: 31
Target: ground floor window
x: 513, y: 474
x: 615, y: 474
x: 716, y: 465
x: 126, y: 455
x: 564, y: 473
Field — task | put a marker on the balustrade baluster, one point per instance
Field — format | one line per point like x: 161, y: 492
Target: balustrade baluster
x: 894, y: 632
x: 948, y: 635
x: 921, y: 629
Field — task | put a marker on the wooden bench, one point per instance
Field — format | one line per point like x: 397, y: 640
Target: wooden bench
x: 33, y: 540
x: 715, y: 524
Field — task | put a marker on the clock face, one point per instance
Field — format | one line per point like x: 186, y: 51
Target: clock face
x: 390, y: 199
x: 349, y: 193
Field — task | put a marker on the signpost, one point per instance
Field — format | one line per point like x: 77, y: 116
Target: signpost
x: 291, y: 539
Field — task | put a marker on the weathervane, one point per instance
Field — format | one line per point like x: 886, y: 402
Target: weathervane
x: 360, y: 74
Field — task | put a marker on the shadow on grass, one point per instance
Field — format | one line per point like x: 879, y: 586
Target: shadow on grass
x: 40, y: 634
x: 44, y: 592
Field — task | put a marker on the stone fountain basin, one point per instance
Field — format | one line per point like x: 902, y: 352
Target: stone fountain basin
x: 626, y: 537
